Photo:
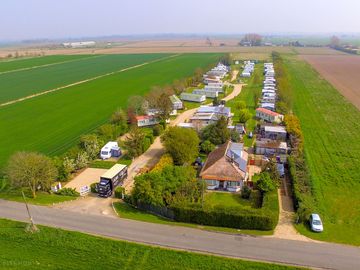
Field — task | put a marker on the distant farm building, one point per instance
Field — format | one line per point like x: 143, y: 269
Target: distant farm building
x: 81, y: 44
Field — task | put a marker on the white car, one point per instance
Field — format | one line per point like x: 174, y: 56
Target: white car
x: 316, y: 223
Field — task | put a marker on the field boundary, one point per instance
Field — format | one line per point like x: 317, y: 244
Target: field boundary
x: 85, y: 81
x: 51, y: 64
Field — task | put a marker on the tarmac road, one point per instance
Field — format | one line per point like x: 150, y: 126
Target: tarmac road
x: 310, y: 254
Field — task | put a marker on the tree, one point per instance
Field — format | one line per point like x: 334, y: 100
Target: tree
x: 138, y: 104
x: 265, y: 183
x: 82, y: 160
x: 207, y: 146
x: 91, y: 145
x: 31, y: 170
x: 153, y: 96
x: 182, y: 144
x: 334, y: 42
x: 120, y: 119
x: 240, y: 105
x: 198, y: 75
x: 164, y: 106
x: 216, y: 101
x: 235, y: 136
x: 107, y: 132
x: 134, y: 142
x: 253, y: 39
x: 244, y: 115
x: 216, y: 133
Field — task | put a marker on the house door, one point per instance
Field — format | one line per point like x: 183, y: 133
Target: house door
x: 221, y: 184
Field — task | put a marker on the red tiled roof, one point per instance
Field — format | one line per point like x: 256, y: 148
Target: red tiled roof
x: 263, y: 110
x: 143, y: 117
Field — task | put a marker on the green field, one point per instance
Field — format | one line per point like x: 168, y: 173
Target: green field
x: 15, y: 64
x: 331, y: 128
x: 22, y: 83
x: 52, y: 123
x: 60, y: 249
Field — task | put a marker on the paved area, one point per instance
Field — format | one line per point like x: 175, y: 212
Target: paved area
x: 86, y: 178
x: 89, y: 205
x: 310, y: 254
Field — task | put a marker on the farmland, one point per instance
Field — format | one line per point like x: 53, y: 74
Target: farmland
x: 331, y: 128
x: 18, y: 84
x: 57, y: 249
x: 16, y: 64
x: 52, y: 123
x: 342, y: 71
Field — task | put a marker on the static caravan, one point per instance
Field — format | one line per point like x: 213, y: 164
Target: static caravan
x: 268, y: 100
x: 176, y: 102
x: 216, y: 84
x: 192, y: 97
x: 146, y: 120
x: 214, y: 88
x: 207, y: 93
x: 268, y: 105
x: 269, y: 116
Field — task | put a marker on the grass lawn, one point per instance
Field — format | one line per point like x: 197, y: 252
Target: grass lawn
x: 102, y: 164
x: 126, y: 211
x: 226, y: 199
x: 53, y: 123
x: 331, y: 129
x: 59, y: 249
x: 248, y: 92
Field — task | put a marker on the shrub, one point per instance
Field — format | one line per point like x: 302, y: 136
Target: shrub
x: 68, y: 192
x: 94, y: 187
x: 207, y: 146
x: 119, y: 191
x: 245, y: 192
x: 165, y: 160
x: 158, y: 130
x: 146, y: 144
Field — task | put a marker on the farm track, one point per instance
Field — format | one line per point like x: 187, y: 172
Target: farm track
x: 48, y: 65
x: 84, y: 81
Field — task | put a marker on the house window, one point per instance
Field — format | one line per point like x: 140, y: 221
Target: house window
x: 233, y: 183
x: 211, y: 182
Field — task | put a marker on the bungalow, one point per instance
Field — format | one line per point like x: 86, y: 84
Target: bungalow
x: 273, y: 132
x: 207, y: 93
x: 192, y: 97
x: 269, y: 116
x: 270, y: 147
x: 146, y: 120
x: 176, y: 102
x: 226, y: 167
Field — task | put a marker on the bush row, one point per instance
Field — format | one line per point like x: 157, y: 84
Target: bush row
x: 265, y: 218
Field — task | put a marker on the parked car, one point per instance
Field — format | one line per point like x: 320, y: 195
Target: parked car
x: 316, y: 223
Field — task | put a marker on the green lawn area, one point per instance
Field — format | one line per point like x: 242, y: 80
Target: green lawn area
x: 252, y: 88
x: 59, y: 249
x: 21, y: 63
x: 52, y: 123
x: 126, y: 211
x: 102, y: 164
x: 331, y: 129
x: 42, y: 198
x: 226, y: 199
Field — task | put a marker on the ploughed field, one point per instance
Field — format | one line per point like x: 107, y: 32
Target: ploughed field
x: 51, y: 123
x: 342, y: 71
x: 331, y: 129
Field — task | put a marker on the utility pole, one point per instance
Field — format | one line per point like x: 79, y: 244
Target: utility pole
x: 31, y: 227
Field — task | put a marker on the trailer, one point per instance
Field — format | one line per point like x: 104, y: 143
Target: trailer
x: 111, y: 179
x: 111, y: 149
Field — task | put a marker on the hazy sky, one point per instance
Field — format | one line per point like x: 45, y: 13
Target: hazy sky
x: 29, y: 19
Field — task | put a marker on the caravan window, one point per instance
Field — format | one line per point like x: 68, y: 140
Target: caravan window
x: 104, y: 152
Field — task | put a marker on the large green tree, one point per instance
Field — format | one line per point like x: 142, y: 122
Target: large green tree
x: 134, y: 142
x: 216, y: 133
x: 31, y: 170
x: 182, y: 144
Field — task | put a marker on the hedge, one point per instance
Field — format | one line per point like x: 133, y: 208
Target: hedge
x: 119, y: 191
x: 265, y: 218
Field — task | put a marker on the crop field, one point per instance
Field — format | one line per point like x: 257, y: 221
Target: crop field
x: 53, y: 122
x: 22, y: 83
x: 16, y: 64
x: 59, y: 249
x: 331, y: 128
x: 342, y: 71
